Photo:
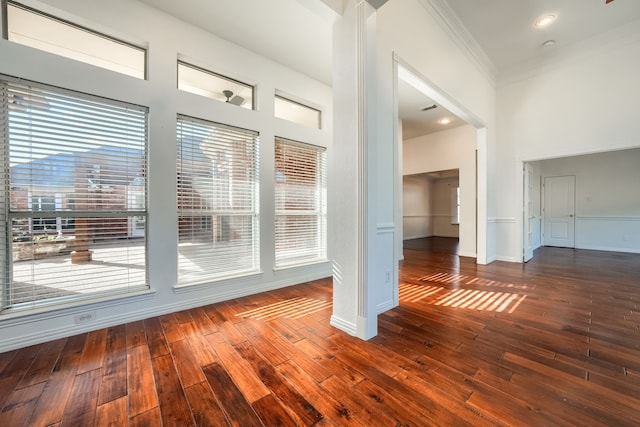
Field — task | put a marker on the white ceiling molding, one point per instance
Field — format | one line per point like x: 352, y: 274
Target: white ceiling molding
x: 330, y: 10
x: 588, y: 48
x: 457, y: 31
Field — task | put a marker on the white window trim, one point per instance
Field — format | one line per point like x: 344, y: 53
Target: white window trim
x: 317, y: 254
x: 222, y: 271
x: 47, y: 119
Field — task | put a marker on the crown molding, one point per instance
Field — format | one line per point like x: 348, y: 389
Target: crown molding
x: 329, y: 10
x: 564, y: 55
x: 456, y: 30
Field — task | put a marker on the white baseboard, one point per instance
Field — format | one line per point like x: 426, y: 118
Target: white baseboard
x: 467, y: 254
x: 610, y: 249
x: 421, y: 236
x: 507, y: 259
x: 385, y: 306
x: 343, y: 325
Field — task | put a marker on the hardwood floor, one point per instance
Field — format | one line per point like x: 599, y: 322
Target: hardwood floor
x: 553, y: 342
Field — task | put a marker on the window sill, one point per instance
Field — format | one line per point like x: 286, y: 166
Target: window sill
x: 302, y: 264
x: 50, y: 311
x: 216, y: 281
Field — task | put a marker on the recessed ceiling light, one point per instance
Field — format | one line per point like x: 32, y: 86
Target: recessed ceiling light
x: 545, y: 20
x: 549, y: 43
x: 444, y: 121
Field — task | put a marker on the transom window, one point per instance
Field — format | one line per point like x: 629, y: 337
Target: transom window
x: 33, y: 28
x: 215, y: 86
x: 217, y: 186
x: 297, y: 112
x: 74, y: 195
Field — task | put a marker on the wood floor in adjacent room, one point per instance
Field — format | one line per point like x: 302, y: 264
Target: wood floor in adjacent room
x: 554, y: 342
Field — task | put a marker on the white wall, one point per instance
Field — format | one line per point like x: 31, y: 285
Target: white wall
x: 586, y: 102
x: 427, y: 208
x: 607, y: 199
x: 167, y: 40
x: 451, y: 149
x: 417, y: 219
x: 413, y: 31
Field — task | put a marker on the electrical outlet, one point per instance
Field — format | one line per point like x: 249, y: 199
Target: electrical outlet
x: 85, y: 317
x: 625, y: 238
x: 387, y: 276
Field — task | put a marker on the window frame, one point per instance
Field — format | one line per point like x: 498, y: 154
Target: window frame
x: 320, y: 252
x: 292, y: 101
x: 455, y: 205
x: 212, y: 219
x: 64, y: 218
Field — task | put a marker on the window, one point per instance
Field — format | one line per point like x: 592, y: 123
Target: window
x: 72, y: 162
x: 455, y: 205
x: 297, y: 112
x: 301, y: 203
x: 206, y: 83
x: 217, y: 179
x: 41, y: 31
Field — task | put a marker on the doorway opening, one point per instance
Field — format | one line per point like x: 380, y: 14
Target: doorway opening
x: 439, y: 142
x: 587, y: 201
x: 431, y: 206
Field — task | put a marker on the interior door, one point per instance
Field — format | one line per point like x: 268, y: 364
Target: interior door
x: 559, y: 211
x: 528, y: 213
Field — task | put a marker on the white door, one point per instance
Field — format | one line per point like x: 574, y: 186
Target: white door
x: 528, y: 213
x: 559, y: 211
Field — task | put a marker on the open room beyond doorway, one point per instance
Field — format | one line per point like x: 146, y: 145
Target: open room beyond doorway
x: 431, y: 206
x: 447, y: 245
x: 443, y: 149
x: 585, y: 202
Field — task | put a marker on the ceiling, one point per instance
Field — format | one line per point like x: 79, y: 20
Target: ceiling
x: 415, y: 121
x: 503, y: 29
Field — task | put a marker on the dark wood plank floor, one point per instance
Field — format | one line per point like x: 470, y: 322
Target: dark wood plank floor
x: 553, y: 342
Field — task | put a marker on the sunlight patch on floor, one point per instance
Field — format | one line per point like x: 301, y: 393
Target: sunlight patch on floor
x: 293, y: 308
x: 471, y: 299
x: 413, y: 293
x: 497, y: 284
x: 448, y: 278
x: 481, y: 300
x: 444, y: 278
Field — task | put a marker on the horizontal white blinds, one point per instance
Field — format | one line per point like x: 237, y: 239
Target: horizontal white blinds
x: 5, y: 264
x: 217, y: 186
x: 300, y: 200
x: 76, y: 168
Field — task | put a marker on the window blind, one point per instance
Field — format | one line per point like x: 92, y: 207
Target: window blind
x: 75, y: 168
x: 301, y: 203
x: 217, y: 187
